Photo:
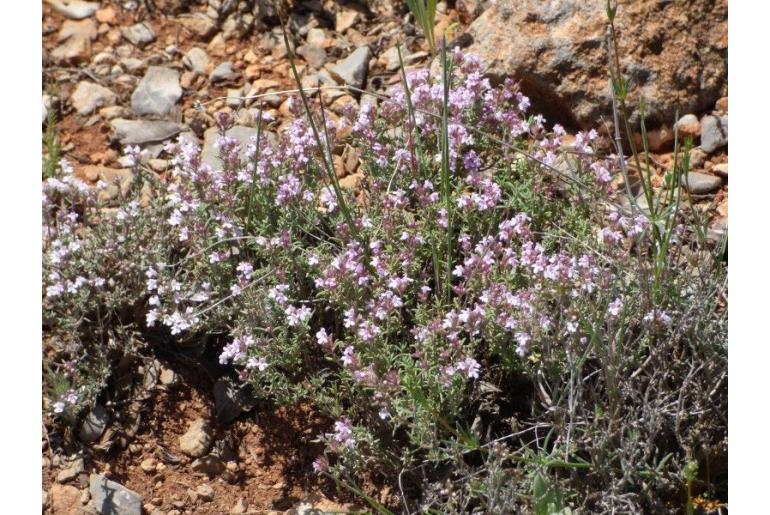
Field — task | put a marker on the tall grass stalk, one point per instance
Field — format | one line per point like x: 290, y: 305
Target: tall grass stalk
x: 52, y: 145
x: 328, y: 162
x: 415, y: 144
x: 424, y: 12
x: 446, y: 180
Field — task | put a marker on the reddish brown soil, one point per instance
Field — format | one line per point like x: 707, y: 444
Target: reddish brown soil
x: 271, y: 467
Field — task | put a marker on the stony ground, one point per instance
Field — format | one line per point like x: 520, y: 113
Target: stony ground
x: 122, y: 73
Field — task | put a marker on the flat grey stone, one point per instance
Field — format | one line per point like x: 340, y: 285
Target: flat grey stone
x: 224, y: 72
x: 157, y: 92
x: 210, y: 155
x: 353, y: 69
x: 196, y: 59
x: 699, y: 183
x: 200, y: 24
x: 713, y: 133
x: 138, y: 132
x: 89, y: 96
x: 109, y: 497
x: 139, y: 34
x: 94, y: 424
x: 313, y: 55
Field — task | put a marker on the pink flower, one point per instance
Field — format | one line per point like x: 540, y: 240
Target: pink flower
x: 615, y: 307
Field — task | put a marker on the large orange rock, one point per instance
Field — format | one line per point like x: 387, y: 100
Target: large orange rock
x: 676, y: 51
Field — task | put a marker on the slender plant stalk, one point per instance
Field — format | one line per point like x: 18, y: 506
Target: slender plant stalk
x: 424, y: 12
x: 445, y: 176
x: 328, y: 165
x: 415, y: 144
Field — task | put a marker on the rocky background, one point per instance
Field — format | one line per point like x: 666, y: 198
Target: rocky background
x: 142, y: 72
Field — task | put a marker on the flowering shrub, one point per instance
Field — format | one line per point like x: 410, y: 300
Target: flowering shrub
x: 480, y: 294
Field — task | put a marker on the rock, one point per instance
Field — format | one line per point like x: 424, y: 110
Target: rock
x: 108, y: 113
x: 75, y: 38
x: 197, y: 440
x: 350, y: 159
x: 344, y: 19
x: 229, y: 402
x: 140, y: 34
x: 325, y: 78
x: 313, y: 55
x: 339, y: 166
x: 210, y: 155
x: 157, y: 92
x: 240, y: 507
x: 658, y: 140
x: 199, y: 24
x: 237, y: 26
x: 316, y: 37
x: 351, y: 182
x: 389, y: 58
x: 210, y: 465
x: 205, y: 492
x: 139, y: 132
x: 148, y: 465
x: 309, y: 81
x: 86, y: 29
x: 697, y: 158
x: 720, y: 169
x: 234, y: 99
x: 74, y: 9
x: 700, y: 184
x: 167, y: 376
x: 224, y: 72
x: 197, y: 60
x: 352, y: 70
x: 88, y: 97
x: 111, y: 497
x: 71, y: 472
x: 341, y: 104
x: 118, y: 180
x: 187, y: 80
x: 315, y: 504
x: 64, y: 499
x: 158, y: 165
x: 106, y: 15
x: 217, y: 46
x: 688, y: 125
x: 94, y: 424
x: 132, y: 64
x: 259, y: 87
x: 675, y: 54
x: 713, y: 133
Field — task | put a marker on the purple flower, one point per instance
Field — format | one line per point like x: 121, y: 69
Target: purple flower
x: 470, y: 366
x: 296, y: 316
x: 324, y: 339
x: 320, y: 465
x: 615, y: 307
x: 343, y: 433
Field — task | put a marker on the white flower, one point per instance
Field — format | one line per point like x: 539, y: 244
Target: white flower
x: 260, y: 364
